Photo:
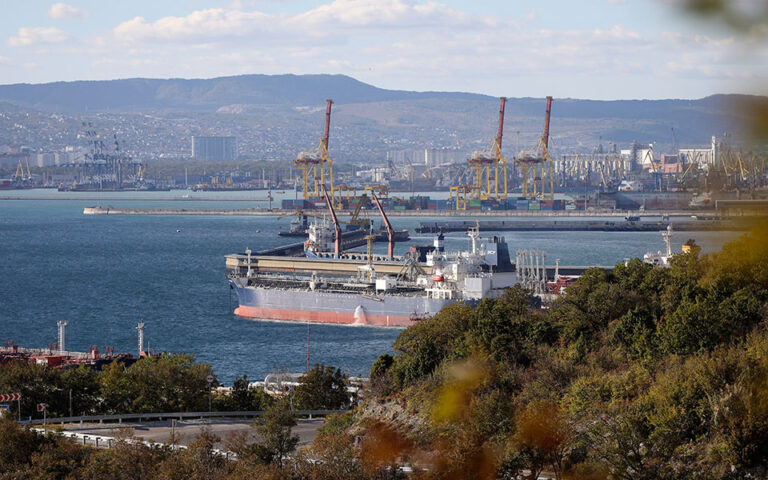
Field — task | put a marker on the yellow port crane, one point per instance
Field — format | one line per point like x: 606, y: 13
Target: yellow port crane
x: 539, y: 163
x: 481, y: 161
x: 310, y: 162
x: 22, y: 174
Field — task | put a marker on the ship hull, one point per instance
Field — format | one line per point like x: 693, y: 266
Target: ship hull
x: 334, y: 308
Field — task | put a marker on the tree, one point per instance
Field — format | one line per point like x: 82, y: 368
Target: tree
x: 502, y: 326
x: 276, y: 439
x: 243, y: 398
x: 322, y: 388
x: 169, y: 383
x: 18, y: 445
x: 544, y: 435
x: 36, y: 383
x: 115, y: 389
x: 84, y: 384
x: 422, y: 347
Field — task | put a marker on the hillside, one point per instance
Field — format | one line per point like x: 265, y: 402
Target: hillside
x: 276, y: 115
x: 137, y: 94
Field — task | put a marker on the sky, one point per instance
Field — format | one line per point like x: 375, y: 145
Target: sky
x: 598, y: 49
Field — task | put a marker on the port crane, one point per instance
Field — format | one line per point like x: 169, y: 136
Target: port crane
x: 481, y: 161
x: 534, y: 162
x: 22, y: 169
x: 310, y: 162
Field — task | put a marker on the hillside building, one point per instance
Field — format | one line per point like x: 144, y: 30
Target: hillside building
x: 214, y: 149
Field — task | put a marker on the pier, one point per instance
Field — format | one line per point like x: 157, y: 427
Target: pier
x: 264, y: 212
x: 583, y: 226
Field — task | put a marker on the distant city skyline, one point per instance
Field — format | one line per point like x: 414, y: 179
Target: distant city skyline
x: 596, y: 49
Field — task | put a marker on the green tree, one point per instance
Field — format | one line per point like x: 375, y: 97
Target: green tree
x: 243, y: 398
x: 36, y: 383
x: 276, y: 439
x: 168, y: 383
x: 636, y: 332
x: 83, y: 382
x: 322, y: 388
x: 18, y: 445
x: 503, y: 326
x: 420, y: 348
x: 116, y: 389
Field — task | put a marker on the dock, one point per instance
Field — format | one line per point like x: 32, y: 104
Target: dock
x: 266, y: 212
x: 583, y: 226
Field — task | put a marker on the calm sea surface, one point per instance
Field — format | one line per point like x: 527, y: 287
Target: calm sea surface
x: 101, y: 273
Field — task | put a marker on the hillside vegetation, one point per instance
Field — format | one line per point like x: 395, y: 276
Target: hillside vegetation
x: 640, y: 373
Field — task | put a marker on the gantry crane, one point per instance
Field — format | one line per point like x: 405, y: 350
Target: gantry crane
x: 540, y: 163
x: 481, y: 161
x: 310, y: 161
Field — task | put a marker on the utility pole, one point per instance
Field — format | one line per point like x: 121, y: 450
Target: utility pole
x: 210, y: 379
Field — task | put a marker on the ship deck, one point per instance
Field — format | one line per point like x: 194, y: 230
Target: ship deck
x: 238, y: 262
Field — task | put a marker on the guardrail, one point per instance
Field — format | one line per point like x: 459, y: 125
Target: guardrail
x: 101, y: 441
x: 138, y: 417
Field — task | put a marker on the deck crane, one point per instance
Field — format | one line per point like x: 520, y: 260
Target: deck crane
x: 537, y: 160
x: 390, y: 230
x: 336, y: 227
x: 310, y: 161
x: 354, y: 219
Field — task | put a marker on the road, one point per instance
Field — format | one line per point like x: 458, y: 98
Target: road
x: 188, y: 430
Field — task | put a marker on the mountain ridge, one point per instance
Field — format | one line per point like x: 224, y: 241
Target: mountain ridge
x: 131, y: 94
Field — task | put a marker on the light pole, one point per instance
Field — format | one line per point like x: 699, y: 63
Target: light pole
x: 210, y: 379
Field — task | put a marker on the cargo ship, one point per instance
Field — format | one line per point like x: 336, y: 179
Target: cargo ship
x: 366, y: 289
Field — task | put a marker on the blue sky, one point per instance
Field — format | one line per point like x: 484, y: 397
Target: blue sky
x: 601, y: 49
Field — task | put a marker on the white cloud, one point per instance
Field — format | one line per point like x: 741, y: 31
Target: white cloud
x: 201, y: 24
x: 28, y: 36
x: 335, y: 19
x: 62, y: 10
x: 408, y: 44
